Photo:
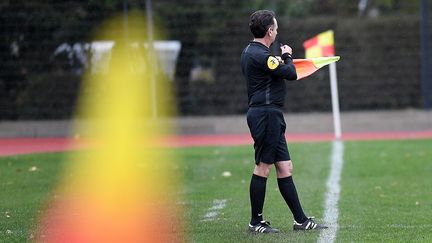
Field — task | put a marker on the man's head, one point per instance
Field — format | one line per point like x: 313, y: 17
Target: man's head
x: 263, y: 23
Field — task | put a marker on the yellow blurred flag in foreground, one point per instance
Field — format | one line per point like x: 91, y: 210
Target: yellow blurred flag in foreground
x: 123, y: 188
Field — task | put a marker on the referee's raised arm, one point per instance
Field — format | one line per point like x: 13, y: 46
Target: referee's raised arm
x: 285, y: 69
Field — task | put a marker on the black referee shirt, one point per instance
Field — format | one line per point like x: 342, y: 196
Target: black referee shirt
x: 265, y: 75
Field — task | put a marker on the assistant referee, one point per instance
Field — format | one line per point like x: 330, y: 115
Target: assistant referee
x: 265, y: 76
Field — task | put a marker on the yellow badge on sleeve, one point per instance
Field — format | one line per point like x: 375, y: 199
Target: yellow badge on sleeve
x: 272, y: 62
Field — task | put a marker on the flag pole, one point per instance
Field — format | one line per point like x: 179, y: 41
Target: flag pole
x: 335, y: 101
x: 319, y: 46
x: 149, y: 13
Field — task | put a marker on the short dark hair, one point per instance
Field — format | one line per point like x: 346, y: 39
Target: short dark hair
x: 260, y: 21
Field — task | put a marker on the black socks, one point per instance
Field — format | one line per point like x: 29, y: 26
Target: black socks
x: 288, y: 190
x: 289, y: 193
x: 257, y: 191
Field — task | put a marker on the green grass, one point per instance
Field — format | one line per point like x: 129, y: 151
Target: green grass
x: 386, y: 192
x: 23, y: 192
x: 203, y: 168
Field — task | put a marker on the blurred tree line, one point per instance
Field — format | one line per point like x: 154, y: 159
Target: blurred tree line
x: 35, y: 84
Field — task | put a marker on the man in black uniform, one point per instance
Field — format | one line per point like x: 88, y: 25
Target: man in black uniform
x: 265, y: 75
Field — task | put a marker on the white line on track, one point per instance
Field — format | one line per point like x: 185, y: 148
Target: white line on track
x: 331, y: 212
x: 213, y: 212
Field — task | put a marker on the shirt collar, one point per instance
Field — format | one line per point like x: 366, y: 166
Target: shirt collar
x: 259, y: 44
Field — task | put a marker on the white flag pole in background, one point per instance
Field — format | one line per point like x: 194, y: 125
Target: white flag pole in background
x: 150, y: 40
x: 335, y: 101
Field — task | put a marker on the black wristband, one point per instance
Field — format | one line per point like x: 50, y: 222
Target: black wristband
x: 286, y: 55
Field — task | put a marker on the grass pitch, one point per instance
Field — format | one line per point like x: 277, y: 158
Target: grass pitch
x: 386, y: 192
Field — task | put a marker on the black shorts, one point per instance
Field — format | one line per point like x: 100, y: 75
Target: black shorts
x: 267, y: 127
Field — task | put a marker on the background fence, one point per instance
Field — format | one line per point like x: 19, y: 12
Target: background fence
x: 379, y: 44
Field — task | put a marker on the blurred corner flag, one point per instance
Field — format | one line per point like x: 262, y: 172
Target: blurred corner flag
x: 125, y: 187
x: 321, y: 47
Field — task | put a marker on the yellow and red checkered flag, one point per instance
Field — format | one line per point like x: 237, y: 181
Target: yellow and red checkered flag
x: 319, y: 53
x: 322, y: 45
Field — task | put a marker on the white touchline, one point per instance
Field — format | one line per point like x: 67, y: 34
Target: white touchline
x: 331, y: 211
x: 212, y: 213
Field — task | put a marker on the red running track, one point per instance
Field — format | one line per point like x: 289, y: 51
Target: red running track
x: 15, y: 146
